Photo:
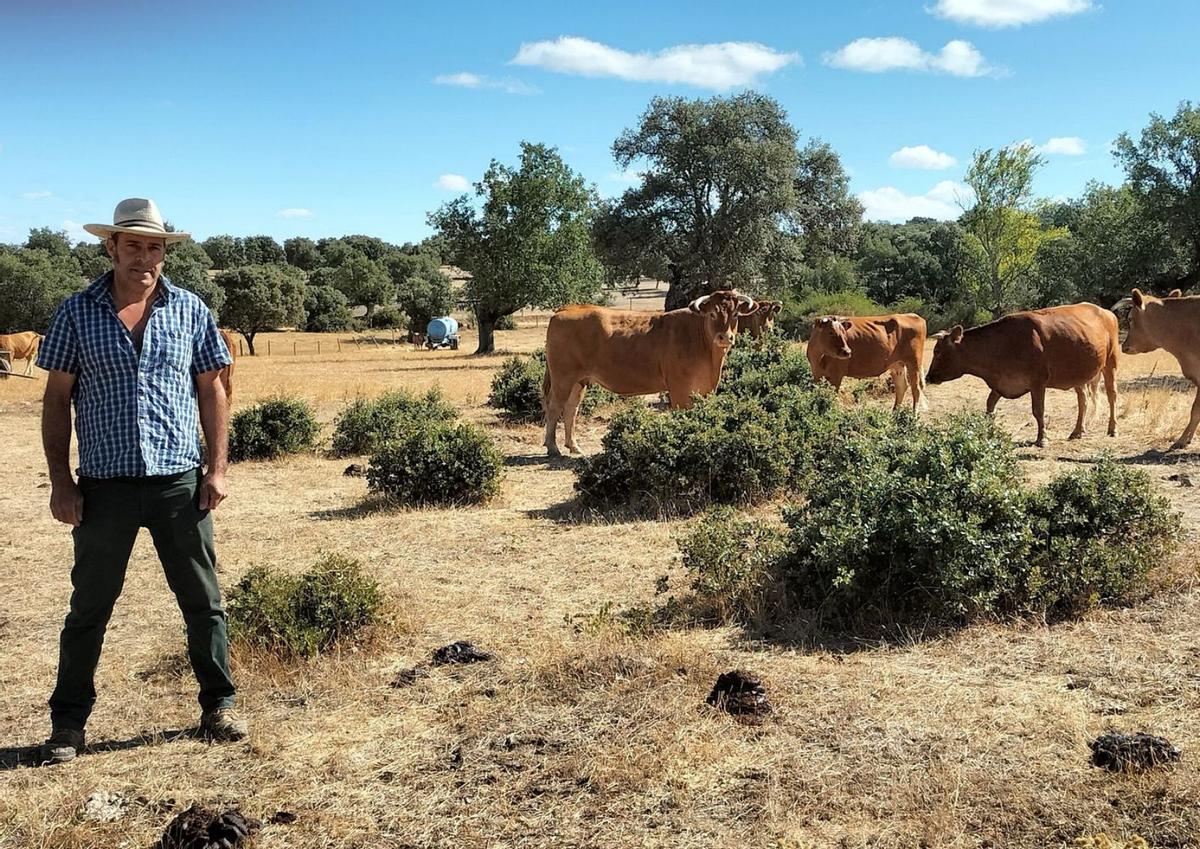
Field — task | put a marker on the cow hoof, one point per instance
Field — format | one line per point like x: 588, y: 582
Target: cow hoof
x: 1178, y: 444
x: 574, y: 449
x: 1076, y: 434
x: 552, y: 451
x: 1041, y: 443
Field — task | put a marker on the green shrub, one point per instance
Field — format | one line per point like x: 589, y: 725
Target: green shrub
x: 364, y: 424
x: 725, y: 450
x: 303, y: 614
x: 1099, y: 531
x: 517, y: 389
x: 272, y: 428
x: 930, y: 521
x: 733, y: 562
x: 796, y: 318
x: 752, y: 371
x: 436, y: 462
x: 506, y: 322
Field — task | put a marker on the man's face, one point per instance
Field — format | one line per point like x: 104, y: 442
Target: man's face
x: 137, y: 260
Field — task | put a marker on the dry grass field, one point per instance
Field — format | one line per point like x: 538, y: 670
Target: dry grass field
x: 579, y: 733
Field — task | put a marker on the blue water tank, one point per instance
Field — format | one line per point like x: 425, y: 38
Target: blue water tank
x: 440, y: 328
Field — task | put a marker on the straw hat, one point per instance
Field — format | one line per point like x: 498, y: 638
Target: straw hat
x: 139, y: 216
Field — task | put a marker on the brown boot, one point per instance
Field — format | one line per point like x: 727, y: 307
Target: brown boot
x: 62, y: 745
x: 223, y: 726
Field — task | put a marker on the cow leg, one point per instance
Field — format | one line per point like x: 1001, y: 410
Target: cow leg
x: 1081, y: 395
x: 896, y: 372
x: 555, y: 401
x: 993, y: 397
x: 1038, y: 394
x: 1110, y: 389
x: 916, y: 385
x: 1186, y: 438
x: 569, y: 414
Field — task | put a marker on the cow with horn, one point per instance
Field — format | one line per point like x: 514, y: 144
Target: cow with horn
x: 631, y: 352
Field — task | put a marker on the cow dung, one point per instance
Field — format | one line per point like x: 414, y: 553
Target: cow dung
x: 282, y: 818
x: 206, y: 828
x: 1132, y: 752
x: 461, y: 651
x: 741, y: 694
x: 355, y: 470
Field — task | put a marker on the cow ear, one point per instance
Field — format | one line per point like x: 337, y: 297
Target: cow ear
x: 956, y: 333
x: 824, y: 320
x: 845, y: 325
x: 1175, y: 293
x: 1139, y: 300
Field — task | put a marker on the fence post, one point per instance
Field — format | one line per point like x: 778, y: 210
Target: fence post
x: 339, y: 341
x: 293, y: 347
x: 268, y: 347
x: 318, y: 346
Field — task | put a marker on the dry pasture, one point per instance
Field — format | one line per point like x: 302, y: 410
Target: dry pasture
x: 585, y: 736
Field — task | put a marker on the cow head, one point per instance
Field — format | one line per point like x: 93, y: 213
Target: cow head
x: 720, y: 311
x: 768, y: 310
x: 1140, y: 339
x: 829, y: 335
x: 947, y: 356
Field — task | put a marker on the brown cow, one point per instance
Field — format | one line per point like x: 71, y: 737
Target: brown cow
x: 759, y: 320
x: 227, y: 372
x: 869, y: 345
x: 1065, y: 347
x: 1171, y: 323
x: 23, y: 346
x: 629, y: 352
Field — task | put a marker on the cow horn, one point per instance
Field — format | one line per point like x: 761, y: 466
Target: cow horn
x: 1124, y: 303
x: 749, y: 301
x: 699, y: 302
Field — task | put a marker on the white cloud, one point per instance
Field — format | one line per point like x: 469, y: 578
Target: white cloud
x: 922, y: 156
x: 890, y: 204
x: 36, y: 195
x: 453, y: 183
x: 75, y: 231
x: 1065, y: 146
x: 1057, y: 146
x: 713, y: 66
x: 875, y: 55
x: 295, y: 212
x: 465, y: 79
x: 1006, y: 13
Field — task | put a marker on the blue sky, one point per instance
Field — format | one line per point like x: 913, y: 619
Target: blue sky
x: 314, y: 119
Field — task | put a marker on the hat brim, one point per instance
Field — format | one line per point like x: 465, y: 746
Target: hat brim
x: 106, y: 230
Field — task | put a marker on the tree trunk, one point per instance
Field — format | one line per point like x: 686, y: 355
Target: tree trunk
x: 249, y: 342
x: 682, y: 292
x: 487, y: 333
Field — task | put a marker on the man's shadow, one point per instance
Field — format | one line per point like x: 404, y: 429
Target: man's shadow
x: 16, y: 757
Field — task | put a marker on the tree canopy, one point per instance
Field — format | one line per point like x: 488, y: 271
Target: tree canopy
x: 527, y: 243
x: 262, y: 297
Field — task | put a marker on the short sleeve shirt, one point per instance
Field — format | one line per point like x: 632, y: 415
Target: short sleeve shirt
x: 136, y: 413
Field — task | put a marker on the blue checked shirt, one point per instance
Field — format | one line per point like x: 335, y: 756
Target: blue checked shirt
x: 135, y: 414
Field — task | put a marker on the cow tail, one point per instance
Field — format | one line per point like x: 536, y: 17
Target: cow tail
x: 546, y: 392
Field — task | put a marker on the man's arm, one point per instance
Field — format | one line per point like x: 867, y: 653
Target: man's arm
x: 214, y: 421
x: 66, y: 502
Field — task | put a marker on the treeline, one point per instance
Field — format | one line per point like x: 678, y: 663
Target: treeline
x: 252, y: 284
x: 725, y: 195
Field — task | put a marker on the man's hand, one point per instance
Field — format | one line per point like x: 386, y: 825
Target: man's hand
x: 66, y: 502
x: 213, y: 490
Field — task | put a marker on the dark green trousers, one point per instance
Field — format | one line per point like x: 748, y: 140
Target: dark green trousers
x: 114, y: 509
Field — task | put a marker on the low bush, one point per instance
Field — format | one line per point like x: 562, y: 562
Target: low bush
x: 388, y: 317
x: 725, y: 450
x: 436, y: 462
x: 733, y: 564
x: 364, y: 423
x: 1098, y: 533
x: 756, y: 371
x: 272, y: 428
x: 506, y: 322
x: 304, y: 614
x: 517, y: 389
x: 933, y: 524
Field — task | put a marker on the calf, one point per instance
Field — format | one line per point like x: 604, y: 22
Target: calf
x: 1171, y: 323
x: 1066, y: 347
x: 867, y: 346
x: 759, y: 320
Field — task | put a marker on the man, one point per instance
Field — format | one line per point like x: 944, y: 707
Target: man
x: 139, y: 357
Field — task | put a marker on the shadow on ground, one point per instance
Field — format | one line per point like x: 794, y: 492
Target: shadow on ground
x: 16, y: 757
